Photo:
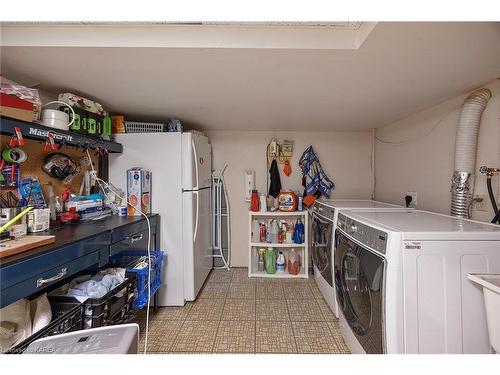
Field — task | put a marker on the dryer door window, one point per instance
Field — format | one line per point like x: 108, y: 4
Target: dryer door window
x: 357, y: 292
x: 322, y: 247
x: 359, y: 277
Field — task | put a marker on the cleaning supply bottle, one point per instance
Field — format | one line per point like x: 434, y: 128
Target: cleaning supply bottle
x: 280, y: 262
x: 293, y: 262
x: 255, y: 230
x: 289, y: 233
x: 270, y: 260
x: 298, y: 234
x: 260, y: 266
x: 254, y: 201
x: 268, y: 231
x: 262, y: 236
x: 263, y: 203
x: 255, y: 259
x: 274, y: 232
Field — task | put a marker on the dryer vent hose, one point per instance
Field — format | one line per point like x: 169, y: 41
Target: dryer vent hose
x: 462, y: 182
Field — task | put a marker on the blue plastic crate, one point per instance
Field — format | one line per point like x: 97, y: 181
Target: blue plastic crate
x: 125, y: 258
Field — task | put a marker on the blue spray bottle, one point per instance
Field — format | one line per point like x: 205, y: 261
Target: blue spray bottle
x: 298, y: 232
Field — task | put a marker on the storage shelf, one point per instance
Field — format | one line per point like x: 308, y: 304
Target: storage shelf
x: 32, y: 130
x: 277, y: 275
x: 277, y: 213
x: 302, y: 248
x: 265, y: 244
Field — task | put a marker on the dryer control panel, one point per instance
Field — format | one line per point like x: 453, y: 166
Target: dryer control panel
x: 321, y: 209
x: 366, y: 235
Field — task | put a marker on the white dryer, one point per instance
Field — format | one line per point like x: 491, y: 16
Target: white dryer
x: 402, y: 283
x: 323, y: 225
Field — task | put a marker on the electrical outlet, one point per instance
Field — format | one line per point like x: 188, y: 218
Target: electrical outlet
x: 273, y: 149
x: 413, y: 195
x: 481, y: 203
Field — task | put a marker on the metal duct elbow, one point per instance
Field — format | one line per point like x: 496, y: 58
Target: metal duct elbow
x: 462, y: 182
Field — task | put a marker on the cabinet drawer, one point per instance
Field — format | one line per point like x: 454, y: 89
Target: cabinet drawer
x: 137, y: 240
x: 47, y: 278
x: 118, y: 234
x: 25, y: 269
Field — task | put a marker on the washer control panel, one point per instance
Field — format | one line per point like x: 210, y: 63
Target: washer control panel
x: 369, y: 236
x: 323, y: 210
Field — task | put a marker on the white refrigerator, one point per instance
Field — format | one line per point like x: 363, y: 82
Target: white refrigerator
x: 181, y: 193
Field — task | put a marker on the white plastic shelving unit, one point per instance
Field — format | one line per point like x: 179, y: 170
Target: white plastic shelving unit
x: 302, y: 248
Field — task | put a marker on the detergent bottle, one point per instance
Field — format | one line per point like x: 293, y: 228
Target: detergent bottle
x: 293, y: 262
x: 280, y: 262
x: 254, y: 201
x: 270, y: 260
x: 298, y: 234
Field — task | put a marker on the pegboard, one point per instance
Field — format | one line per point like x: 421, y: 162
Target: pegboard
x: 33, y: 167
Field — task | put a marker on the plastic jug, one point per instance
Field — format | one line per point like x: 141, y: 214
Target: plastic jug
x: 293, y: 262
x: 280, y: 262
x: 270, y: 260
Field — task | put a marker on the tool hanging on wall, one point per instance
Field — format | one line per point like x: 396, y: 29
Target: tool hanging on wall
x: 49, y: 143
x: 12, y: 156
x: 17, y: 139
x: 60, y: 166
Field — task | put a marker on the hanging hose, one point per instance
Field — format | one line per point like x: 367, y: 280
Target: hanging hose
x: 489, y: 174
x: 462, y: 187
x: 492, y: 198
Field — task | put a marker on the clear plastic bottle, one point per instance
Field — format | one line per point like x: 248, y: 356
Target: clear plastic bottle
x: 255, y: 259
x: 261, y: 266
x: 274, y: 232
x: 255, y: 230
x: 268, y: 231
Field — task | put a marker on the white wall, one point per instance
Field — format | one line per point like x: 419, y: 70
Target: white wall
x: 425, y: 163
x: 345, y: 157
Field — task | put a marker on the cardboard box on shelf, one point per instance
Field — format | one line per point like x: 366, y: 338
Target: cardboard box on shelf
x: 138, y: 191
x: 118, y: 124
x: 26, y: 94
x: 14, y: 107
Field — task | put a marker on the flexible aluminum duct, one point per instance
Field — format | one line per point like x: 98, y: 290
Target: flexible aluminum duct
x: 462, y: 182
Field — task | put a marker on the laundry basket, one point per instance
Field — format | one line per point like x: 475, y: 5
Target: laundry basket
x: 68, y: 318
x: 114, y: 307
x: 131, y: 260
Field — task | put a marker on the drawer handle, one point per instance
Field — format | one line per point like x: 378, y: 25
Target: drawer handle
x: 60, y: 275
x: 136, y: 238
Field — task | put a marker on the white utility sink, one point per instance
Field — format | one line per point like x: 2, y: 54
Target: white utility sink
x: 491, y: 292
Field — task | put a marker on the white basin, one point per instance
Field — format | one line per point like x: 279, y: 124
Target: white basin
x: 491, y: 292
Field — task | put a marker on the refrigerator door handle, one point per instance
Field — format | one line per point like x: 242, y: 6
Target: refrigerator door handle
x: 196, y: 194
x: 195, y: 164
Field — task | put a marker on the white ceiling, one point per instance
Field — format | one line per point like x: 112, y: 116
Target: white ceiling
x: 395, y: 70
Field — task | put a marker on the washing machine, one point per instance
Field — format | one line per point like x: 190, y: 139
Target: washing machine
x: 324, y: 214
x: 401, y: 281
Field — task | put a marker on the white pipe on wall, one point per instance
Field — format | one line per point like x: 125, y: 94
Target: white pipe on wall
x: 462, y: 187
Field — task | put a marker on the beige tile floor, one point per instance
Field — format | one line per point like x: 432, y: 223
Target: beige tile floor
x: 235, y: 314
